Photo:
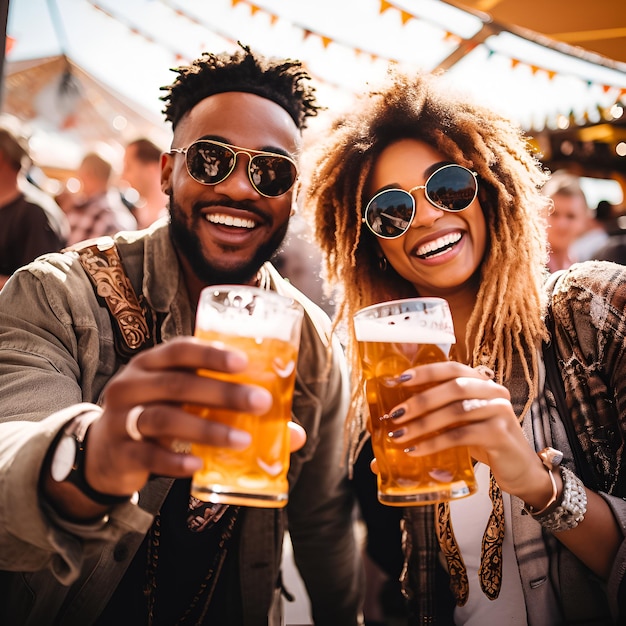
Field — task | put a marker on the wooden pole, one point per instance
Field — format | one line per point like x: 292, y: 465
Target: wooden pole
x: 4, y: 16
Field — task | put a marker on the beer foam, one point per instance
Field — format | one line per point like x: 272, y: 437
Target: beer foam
x: 409, y: 327
x: 244, y: 311
x: 240, y: 324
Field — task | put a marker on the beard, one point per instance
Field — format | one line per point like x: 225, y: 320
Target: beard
x: 189, y: 245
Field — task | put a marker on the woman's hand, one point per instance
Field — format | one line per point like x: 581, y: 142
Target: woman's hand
x: 462, y: 406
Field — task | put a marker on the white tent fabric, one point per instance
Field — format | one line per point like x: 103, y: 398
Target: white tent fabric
x: 347, y: 45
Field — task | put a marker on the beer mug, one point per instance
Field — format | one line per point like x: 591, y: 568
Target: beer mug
x: 393, y: 337
x: 266, y: 326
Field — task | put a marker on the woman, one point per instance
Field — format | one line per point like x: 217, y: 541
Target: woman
x: 419, y: 191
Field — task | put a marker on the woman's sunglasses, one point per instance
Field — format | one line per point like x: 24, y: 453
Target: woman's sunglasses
x: 450, y: 188
x: 211, y: 162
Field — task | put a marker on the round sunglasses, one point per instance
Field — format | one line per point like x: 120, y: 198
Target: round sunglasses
x: 450, y: 188
x: 210, y: 162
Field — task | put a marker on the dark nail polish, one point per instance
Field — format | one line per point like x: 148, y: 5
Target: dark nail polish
x: 395, y: 434
x: 384, y: 418
x: 397, y: 413
x: 403, y: 378
x: 410, y: 449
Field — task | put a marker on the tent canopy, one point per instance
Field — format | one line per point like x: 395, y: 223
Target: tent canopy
x: 62, y: 96
x: 598, y: 27
x: 550, y: 86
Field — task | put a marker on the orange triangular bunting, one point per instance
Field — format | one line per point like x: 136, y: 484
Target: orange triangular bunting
x: 406, y: 16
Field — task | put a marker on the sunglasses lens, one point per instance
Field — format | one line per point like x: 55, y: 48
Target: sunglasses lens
x: 452, y: 188
x: 390, y: 213
x: 209, y: 163
x: 272, y: 175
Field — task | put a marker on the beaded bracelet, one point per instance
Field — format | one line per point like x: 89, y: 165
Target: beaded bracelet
x: 572, y: 507
x: 570, y: 510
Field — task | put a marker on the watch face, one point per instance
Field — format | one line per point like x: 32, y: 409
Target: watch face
x: 63, y: 459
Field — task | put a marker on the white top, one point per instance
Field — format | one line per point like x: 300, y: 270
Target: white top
x: 469, y: 519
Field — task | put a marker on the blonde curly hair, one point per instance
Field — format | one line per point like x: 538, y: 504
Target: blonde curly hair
x: 507, y: 320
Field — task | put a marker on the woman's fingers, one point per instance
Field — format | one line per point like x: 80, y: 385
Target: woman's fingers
x: 458, y: 395
x: 440, y: 371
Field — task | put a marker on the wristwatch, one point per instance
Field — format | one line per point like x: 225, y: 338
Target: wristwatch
x: 568, y: 511
x: 68, y: 463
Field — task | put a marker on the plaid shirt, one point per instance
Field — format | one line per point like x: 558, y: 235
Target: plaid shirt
x: 589, y: 310
x: 93, y: 218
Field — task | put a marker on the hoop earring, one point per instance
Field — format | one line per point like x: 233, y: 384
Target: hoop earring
x: 382, y: 263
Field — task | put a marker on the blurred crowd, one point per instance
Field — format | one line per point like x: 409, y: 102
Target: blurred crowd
x: 100, y: 199
x: 96, y: 199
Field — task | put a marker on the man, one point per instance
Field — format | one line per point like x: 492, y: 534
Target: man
x: 27, y: 229
x: 95, y: 212
x: 566, y: 220
x: 142, y: 171
x: 75, y: 522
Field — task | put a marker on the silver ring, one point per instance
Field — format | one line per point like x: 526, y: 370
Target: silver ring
x: 132, y: 417
x: 485, y: 371
x: 473, y: 403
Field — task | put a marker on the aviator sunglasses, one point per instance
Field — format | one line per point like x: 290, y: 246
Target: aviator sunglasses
x: 210, y: 162
x: 450, y: 188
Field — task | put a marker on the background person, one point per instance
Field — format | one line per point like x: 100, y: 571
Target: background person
x: 94, y: 210
x: 600, y: 222
x: 614, y: 246
x: 142, y: 171
x: 482, y: 247
x: 27, y: 229
x: 79, y: 543
x: 567, y: 218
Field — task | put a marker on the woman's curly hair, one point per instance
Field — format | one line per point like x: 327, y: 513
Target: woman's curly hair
x: 282, y: 81
x: 507, y: 321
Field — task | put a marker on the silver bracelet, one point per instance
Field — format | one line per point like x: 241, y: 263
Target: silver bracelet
x: 571, y: 508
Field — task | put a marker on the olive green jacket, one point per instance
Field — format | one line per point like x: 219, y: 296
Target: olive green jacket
x: 57, y: 354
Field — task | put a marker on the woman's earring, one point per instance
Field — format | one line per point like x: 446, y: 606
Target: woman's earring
x: 382, y: 263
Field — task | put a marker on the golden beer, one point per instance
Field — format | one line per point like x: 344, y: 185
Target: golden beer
x: 256, y: 476
x: 393, y: 337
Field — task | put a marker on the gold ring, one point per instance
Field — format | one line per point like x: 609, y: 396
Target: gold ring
x: 132, y: 417
x: 180, y: 447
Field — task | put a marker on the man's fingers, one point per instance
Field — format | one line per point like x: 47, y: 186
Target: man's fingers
x: 297, y: 436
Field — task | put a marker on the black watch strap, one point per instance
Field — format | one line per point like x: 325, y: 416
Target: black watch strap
x: 80, y: 432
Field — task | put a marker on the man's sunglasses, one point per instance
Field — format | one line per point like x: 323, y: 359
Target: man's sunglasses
x: 210, y: 162
x: 450, y: 188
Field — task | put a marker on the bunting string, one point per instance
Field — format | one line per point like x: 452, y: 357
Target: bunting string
x: 326, y: 40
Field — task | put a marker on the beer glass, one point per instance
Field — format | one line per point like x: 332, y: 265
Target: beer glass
x: 392, y: 337
x: 266, y: 326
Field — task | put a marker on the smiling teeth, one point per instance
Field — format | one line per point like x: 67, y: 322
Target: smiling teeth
x: 438, y: 244
x: 229, y: 220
